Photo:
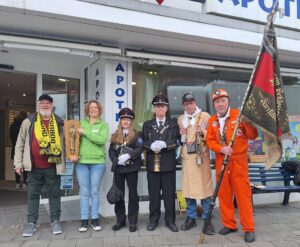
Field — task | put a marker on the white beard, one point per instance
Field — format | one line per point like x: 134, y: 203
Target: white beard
x: 46, y: 113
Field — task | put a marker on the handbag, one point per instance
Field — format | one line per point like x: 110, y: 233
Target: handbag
x: 114, y: 194
x: 191, y: 148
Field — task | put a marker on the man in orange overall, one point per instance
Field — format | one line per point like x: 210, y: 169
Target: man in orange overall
x: 235, y: 181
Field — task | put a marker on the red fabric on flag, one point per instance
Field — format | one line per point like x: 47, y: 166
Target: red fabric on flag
x: 159, y: 1
x: 264, y: 75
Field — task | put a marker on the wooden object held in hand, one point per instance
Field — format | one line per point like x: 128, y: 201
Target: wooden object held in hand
x: 72, y: 138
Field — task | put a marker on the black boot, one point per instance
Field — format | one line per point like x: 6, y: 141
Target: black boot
x: 249, y: 237
x: 188, y: 224
x: 118, y: 226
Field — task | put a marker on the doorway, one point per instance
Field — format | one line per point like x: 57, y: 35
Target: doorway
x: 17, y: 93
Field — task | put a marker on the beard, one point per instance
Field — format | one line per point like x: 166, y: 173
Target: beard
x: 46, y: 113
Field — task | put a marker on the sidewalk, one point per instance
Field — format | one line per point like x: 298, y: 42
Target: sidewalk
x: 276, y: 225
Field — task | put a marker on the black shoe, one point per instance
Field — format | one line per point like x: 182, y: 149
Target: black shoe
x: 188, y: 224
x: 226, y: 230
x: 95, y: 225
x: 151, y: 226
x: 118, y: 226
x: 249, y: 237
x: 132, y: 228
x: 210, y: 229
x: 172, y: 226
x: 84, y: 226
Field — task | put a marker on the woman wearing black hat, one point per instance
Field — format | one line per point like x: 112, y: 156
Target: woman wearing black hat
x: 160, y: 139
x: 125, y: 153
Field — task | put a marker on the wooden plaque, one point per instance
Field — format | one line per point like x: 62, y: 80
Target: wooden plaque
x: 72, y: 138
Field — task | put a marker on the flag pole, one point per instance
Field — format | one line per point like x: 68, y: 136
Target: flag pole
x: 225, y: 162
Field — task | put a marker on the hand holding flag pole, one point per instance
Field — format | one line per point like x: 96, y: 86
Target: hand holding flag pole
x: 259, y: 88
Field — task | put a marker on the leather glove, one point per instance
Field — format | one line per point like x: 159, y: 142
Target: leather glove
x: 123, y: 158
x: 154, y: 147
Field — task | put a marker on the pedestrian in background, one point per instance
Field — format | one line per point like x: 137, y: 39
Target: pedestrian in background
x: 14, y: 132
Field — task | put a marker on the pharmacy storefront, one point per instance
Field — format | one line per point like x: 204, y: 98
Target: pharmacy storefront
x: 123, y: 53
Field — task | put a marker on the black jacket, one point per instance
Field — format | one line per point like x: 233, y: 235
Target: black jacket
x: 170, y: 134
x: 134, y: 149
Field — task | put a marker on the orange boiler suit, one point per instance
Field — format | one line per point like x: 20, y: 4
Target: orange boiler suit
x: 235, y: 181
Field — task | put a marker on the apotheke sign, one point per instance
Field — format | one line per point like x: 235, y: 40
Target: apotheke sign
x: 256, y: 10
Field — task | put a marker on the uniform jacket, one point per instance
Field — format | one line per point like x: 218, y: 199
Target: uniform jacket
x: 169, y: 134
x: 134, y: 149
x: 92, y: 142
x: 22, y: 157
x: 240, y: 147
x: 197, y: 182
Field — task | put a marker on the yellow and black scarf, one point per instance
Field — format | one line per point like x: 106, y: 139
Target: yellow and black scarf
x: 48, y: 140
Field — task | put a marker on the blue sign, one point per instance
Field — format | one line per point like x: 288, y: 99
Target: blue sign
x: 120, y: 91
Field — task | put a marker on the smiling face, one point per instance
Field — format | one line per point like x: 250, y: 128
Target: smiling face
x: 125, y: 123
x: 221, y: 105
x: 189, y: 107
x: 94, y: 111
x: 45, y: 108
x: 160, y: 110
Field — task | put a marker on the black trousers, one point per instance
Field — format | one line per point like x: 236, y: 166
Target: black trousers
x: 18, y: 177
x: 165, y: 182
x: 133, y: 204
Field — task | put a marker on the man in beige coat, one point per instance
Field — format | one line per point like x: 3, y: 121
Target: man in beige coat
x: 196, y: 173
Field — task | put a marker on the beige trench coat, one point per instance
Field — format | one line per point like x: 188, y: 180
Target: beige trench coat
x: 197, y: 182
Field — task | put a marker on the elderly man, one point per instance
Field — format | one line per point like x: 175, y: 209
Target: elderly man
x: 235, y: 181
x: 196, y: 173
x: 39, y: 152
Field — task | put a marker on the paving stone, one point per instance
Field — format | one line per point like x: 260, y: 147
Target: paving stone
x: 286, y: 244
x: 63, y: 243
x: 89, y: 242
x: 10, y: 244
x: 116, y: 242
x: 141, y: 240
x: 166, y: 240
x: 261, y: 244
x: 36, y: 243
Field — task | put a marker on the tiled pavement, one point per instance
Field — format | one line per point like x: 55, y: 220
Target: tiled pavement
x: 276, y: 225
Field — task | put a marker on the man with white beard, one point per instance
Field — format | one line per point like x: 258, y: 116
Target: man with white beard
x: 39, y: 151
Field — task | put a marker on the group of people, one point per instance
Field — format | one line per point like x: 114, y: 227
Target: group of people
x: 39, y: 152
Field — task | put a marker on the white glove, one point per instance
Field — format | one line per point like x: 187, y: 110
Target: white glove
x: 123, y: 158
x: 154, y: 147
x: 161, y: 144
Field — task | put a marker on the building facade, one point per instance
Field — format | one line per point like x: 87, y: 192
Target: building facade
x: 124, y: 52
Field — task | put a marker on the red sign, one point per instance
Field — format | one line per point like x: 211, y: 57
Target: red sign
x: 160, y: 1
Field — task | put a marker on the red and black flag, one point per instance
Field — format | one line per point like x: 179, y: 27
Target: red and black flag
x: 265, y: 104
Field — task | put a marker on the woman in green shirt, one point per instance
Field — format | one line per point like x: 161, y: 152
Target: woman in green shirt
x: 91, y: 165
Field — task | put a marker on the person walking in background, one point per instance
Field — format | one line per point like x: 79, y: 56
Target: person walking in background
x: 125, y: 153
x: 39, y: 151
x: 91, y: 164
x: 235, y: 182
x: 160, y: 139
x: 14, y: 132
x: 196, y: 173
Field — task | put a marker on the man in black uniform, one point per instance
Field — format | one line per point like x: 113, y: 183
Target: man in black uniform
x: 160, y: 139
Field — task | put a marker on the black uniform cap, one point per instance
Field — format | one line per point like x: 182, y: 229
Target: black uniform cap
x: 46, y: 97
x: 126, y: 113
x: 160, y: 99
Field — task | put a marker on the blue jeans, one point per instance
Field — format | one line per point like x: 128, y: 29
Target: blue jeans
x: 89, y: 178
x: 191, y: 209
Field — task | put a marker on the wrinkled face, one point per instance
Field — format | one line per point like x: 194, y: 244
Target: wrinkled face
x: 45, y: 108
x: 160, y: 110
x: 189, y: 107
x: 125, y: 122
x: 221, y: 105
x: 94, y: 111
